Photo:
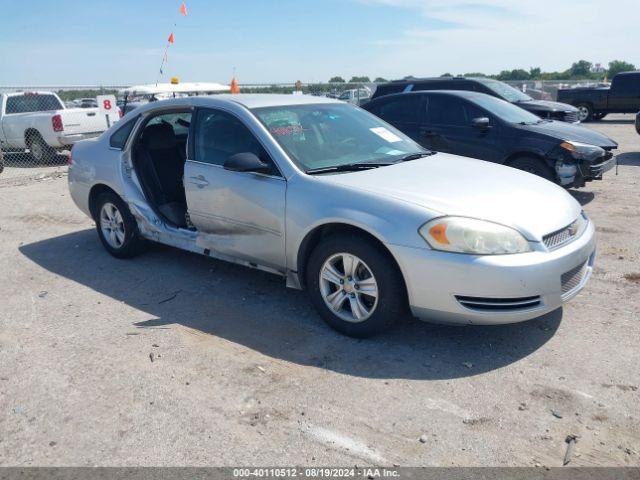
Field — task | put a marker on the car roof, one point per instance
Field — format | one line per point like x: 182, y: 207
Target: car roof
x: 249, y: 101
x: 456, y: 93
x: 435, y: 79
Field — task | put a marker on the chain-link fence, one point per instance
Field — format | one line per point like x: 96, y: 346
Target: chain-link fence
x: 39, y: 124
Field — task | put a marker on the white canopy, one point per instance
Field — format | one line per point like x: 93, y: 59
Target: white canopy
x: 169, y: 88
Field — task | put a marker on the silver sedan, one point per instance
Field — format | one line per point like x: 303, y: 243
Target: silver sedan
x: 339, y: 203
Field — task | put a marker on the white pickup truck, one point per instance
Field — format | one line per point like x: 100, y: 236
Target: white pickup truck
x: 39, y: 122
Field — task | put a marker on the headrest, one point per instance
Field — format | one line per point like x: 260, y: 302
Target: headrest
x: 159, y: 137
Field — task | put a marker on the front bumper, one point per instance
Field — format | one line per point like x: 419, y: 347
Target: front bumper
x: 492, y: 290
x: 577, y: 174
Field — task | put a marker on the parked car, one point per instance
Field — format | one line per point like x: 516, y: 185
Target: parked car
x: 541, y: 108
x: 488, y: 128
x: 88, y: 103
x: 340, y: 203
x: 39, y: 121
x: 595, y: 103
x: 356, y: 96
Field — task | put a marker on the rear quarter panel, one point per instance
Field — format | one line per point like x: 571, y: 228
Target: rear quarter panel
x: 94, y: 163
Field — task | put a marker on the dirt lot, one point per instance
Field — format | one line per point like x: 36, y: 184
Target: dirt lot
x: 176, y: 359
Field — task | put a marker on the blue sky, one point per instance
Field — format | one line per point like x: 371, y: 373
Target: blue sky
x: 121, y: 42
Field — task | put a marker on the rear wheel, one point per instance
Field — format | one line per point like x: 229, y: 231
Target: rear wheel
x: 39, y: 149
x: 534, y: 166
x: 357, y: 289
x: 585, y: 113
x: 117, y: 228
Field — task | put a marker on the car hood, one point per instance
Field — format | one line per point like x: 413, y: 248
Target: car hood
x: 568, y: 132
x: 450, y: 185
x: 546, y: 106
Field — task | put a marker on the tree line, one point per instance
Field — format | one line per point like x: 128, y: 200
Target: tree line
x: 580, y: 70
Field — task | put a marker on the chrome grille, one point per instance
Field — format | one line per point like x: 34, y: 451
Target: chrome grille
x: 572, y: 279
x: 571, y: 117
x: 557, y: 239
x: 562, y: 237
x: 498, y: 304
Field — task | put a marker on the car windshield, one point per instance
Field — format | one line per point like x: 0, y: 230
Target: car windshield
x: 505, y: 91
x: 507, y: 112
x: 333, y: 135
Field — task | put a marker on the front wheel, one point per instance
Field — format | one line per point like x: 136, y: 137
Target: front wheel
x: 355, y: 286
x: 117, y: 228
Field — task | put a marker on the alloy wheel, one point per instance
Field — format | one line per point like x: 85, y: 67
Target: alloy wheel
x: 112, y: 225
x: 37, y: 150
x: 584, y: 113
x: 349, y: 288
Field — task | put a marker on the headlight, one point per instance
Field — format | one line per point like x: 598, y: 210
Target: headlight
x: 472, y: 236
x: 582, y: 151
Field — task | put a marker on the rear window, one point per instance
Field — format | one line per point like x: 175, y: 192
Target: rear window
x: 119, y: 139
x: 32, y: 103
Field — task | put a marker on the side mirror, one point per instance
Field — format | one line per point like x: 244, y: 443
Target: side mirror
x: 245, y: 162
x: 482, y: 123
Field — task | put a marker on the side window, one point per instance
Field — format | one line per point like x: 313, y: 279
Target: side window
x: 446, y: 110
x: 472, y: 112
x: 400, y: 109
x: 627, y: 85
x: 220, y: 135
x: 180, y: 122
x: 119, y: 139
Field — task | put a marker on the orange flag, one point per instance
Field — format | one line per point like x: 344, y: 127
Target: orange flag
x: 171, y: 38
x: 183, y: 9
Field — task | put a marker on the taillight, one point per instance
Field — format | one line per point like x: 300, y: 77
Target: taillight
x: 56, y: 121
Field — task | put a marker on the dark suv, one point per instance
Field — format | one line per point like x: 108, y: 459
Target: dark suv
x: 542, y: 108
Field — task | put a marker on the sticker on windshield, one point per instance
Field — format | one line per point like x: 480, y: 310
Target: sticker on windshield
x: 386, y: 135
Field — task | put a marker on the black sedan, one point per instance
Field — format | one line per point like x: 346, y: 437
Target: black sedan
x: 484, y: 127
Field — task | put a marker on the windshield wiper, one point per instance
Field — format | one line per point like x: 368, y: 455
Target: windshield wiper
x: 349, y: 167
x: 415, y: 156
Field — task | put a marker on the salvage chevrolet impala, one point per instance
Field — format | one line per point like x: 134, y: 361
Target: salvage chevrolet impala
x: 339, y: 203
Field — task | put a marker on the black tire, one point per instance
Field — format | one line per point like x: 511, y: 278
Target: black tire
x: 1, y: 161
x: 40, y: 151
x: 391, y: 304
x: 586, y: 112
x: 533, y: 165
x: 132, y: 243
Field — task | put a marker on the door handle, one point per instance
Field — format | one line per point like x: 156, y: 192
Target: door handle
x: 198, y: 181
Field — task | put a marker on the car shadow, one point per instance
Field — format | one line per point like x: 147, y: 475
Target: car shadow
x: 254, y: 309
x: 629, y: 158
x: 585, y: 198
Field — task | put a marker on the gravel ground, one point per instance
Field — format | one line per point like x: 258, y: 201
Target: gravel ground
x: 176, y: 359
